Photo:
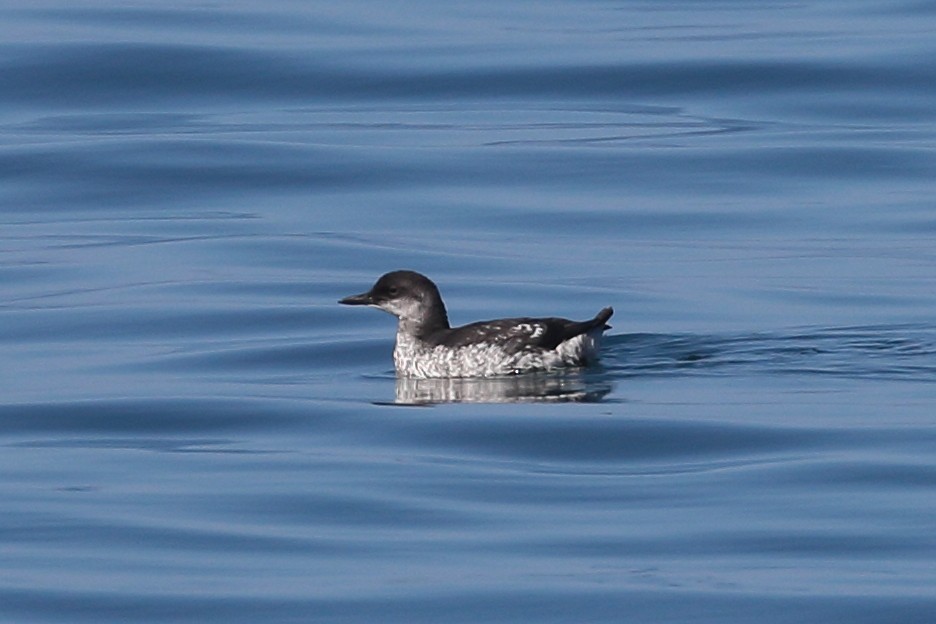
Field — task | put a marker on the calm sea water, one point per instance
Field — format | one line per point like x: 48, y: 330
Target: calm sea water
x: 192, y: 429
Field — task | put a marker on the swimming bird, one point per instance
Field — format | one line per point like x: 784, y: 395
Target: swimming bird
x: 427, y: 346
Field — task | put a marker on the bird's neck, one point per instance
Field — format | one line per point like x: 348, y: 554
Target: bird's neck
x: 420, y: 327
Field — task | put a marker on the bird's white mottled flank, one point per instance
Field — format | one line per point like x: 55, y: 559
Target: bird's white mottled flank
x: 414, y: 358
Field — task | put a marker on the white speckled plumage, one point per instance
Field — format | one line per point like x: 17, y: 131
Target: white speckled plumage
x: 426, y: 347
x: 414, y: 358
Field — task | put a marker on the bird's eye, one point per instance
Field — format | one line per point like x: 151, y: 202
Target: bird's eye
x: 393, y: 290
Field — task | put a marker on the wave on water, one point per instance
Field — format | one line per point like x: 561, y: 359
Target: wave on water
x: 885, y: 352
x: 904, y: 352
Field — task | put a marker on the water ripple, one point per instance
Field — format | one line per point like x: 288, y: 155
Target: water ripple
x: 871, y: 352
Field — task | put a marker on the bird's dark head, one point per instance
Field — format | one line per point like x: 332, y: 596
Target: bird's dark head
x: 408, y: 295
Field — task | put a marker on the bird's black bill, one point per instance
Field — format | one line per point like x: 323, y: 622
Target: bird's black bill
x: 362, y: 299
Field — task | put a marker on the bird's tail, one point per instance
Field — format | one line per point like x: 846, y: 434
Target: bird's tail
x: 574, y: 329
x: 602, y: 317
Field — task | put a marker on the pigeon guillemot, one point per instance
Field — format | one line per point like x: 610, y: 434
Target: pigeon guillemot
x: 427, y: 346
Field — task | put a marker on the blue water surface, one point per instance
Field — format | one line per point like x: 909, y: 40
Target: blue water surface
x: 193, y: 430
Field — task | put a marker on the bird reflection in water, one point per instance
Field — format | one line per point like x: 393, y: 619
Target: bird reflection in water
x: 529, y: 388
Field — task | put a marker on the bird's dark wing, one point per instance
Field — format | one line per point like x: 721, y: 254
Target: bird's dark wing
x: 517, y: 334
